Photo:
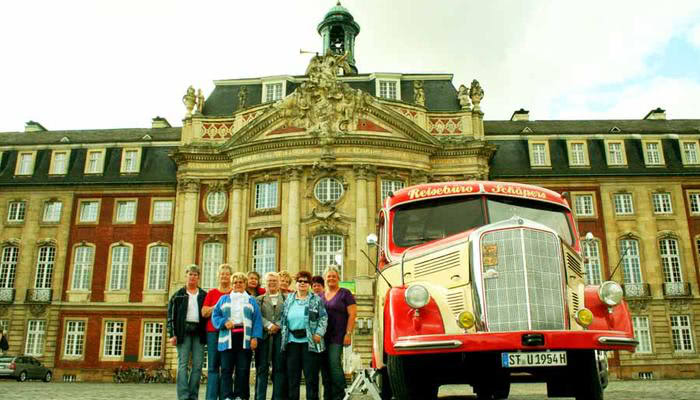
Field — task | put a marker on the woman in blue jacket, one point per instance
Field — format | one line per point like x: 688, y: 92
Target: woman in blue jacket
x: 237, y: 317
x: 304, y: 322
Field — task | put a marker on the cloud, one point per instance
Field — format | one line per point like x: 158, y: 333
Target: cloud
x: 694, y: 36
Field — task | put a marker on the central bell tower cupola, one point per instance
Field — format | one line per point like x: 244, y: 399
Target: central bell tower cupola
x: 338, y: 30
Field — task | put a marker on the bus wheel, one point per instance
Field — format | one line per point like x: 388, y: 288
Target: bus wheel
x: 407, y: 382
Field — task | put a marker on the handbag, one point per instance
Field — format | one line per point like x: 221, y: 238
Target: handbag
x: 298, y: 333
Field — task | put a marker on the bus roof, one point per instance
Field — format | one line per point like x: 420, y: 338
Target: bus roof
x: 470, y: 188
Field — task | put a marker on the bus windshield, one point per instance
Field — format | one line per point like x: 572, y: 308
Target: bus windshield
x: 502, y: 208
x: 425, y: 221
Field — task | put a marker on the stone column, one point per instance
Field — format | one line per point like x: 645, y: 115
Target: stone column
x: 187, y: 212
x: 236, y: 208
x: 293, y: 175
x: 361, y: 223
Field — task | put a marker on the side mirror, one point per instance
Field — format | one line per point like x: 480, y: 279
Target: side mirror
x: 372, y: 239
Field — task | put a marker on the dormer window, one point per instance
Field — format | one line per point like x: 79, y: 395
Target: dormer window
x: 539, y: 153
x: 689, y: 150
x: 653, y: 153
x: 273, y: 91
x: 578, y: 153
x: 131, y: 160
x: 59, y: 162
x: 388, y: 89
x: 94, y: 161
x: 25, y: 163
x: 615, y: 153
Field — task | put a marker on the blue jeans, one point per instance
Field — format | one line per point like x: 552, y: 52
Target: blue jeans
x: 332, y: 372
x: 269, y: 352
x: 235, y: 362
x: 300, y: 358
x: 188, y: 384
x: 214, y: 364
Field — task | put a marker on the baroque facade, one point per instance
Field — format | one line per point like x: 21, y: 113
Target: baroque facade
x: 288, y: 172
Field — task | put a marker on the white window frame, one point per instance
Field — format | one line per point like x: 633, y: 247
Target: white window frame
x: 326, y: 189
x: 694, y: 202
x: 631, y: 261
x: 36, y: 335
x: 325, y: 249
x: 266, y: 195
x: 8, y: 266
x: 152, y: 348
x: 578, y: 157
x: 131, y: 160
x: 45, y: 262
x: 688, y: 155
x: 623, y: 203
x: 390, y: 185
x: 539, y: 153
x: 269, y: 95
x: 120, y: 266
x: 74, y: 343
x: 158, y: 214
x: 662, y: 203
x: 158, y: 267
x: 125, y: 211
x: 56, y: 167
x: 584, y: 204
x: 592, y: 265
x: 264, y: 255
x: 642, y: 332
x: 16, y: 211
x: 653, y: 153
x: 615, y: 159
x: 52, y: 211
x: 25, y: 163
x: 215, y: 203
x: 98, y: 157
x: 83, y: 262
x: 682, y: 334
x: 382, y: 87
x: 88, y: 215
x: 671, y: 260
x: 113, y: 338
x: 212, y: 257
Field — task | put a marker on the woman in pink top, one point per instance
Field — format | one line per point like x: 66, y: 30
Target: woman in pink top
x: 214, y: 356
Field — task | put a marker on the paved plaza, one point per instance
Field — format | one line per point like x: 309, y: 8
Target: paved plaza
x: 618, y: 390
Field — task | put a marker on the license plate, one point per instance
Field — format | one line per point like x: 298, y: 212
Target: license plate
x: 533, y: 359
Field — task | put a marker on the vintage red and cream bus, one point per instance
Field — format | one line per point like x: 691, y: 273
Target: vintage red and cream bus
x: 482, y: 283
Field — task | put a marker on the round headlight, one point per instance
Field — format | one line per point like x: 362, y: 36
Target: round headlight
x: 610, y: 293
x: 417, y: 296
x: 465, y: 319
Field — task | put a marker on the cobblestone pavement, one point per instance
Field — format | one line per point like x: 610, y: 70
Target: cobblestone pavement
x: 618, y: 390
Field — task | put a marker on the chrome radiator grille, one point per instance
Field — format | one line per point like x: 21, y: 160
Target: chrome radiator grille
x: 526, y: 292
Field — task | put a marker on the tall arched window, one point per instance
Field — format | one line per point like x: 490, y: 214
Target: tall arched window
x: 158, y: 260
x: 631, y: 265
x: 8, y: 267
x: 671, y: 261
x: 212, y: 257
x: 44, y: 267
x: 591, y: 263
x: 119, y: 273
x: 326, y: 248
x: 264, y: 252
x: 82, y: 267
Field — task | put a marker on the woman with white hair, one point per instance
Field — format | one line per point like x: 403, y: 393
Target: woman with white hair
x: 342, y: 311
x: 237, y: 317
x: 213, y: 354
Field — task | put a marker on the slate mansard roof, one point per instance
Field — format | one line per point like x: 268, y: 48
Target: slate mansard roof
x: 156, y: 166
x: 440, y: 93
x: 512, y: 159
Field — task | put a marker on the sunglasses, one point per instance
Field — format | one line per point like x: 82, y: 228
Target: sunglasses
x: 302, y: 281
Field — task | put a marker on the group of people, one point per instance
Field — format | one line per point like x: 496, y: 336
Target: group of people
x: 289, y: 329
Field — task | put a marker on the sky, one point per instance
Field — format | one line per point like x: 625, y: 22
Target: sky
x: 100, y: 64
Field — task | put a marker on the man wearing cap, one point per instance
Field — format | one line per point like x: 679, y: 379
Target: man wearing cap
x: 187, y: 331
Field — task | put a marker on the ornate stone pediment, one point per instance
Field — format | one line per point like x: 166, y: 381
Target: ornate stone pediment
x: 323, y: 105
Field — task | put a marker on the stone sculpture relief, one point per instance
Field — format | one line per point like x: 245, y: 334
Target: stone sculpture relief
x: 200, y: 101
x: 476, y: 93
x: 242, y: 97
x: 324, y: 105
x: 463, y: 97
x: 418, y: 93
x: 189, y: 100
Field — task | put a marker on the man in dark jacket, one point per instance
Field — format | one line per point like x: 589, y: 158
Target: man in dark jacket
x: 187, y: 331
x: 3, y: 342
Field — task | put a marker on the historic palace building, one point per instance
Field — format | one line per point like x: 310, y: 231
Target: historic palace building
x: 288, y: 172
